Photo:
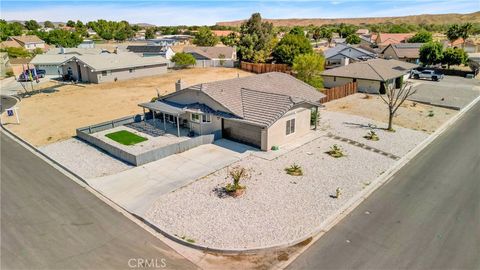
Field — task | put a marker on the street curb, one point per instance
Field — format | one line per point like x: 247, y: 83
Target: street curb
x: 380, y: 181
x: 325, y: 226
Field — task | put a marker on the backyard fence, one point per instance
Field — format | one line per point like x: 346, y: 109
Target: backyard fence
x: 339, y: 92
x: 264, y: 68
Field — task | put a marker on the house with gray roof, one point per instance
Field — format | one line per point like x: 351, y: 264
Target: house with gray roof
x: 262, y: 110
x: 344, y: 54
x: 213, y: 56
x: 103, y: 67
x: 408, y: 52
x: 371, y: 76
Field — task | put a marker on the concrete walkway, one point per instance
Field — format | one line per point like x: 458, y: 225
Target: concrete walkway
x: 136, y: 189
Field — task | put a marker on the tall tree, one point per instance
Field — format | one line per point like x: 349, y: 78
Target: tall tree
x: 464, y: 31
x: 230, y: 39
x: 316, y: 34
x: 32, y: 25
x: 327, y: 33
x: 297, y: 30
x: 70, y: 23
x: 453, y: 32
x: 353, y: 39
x: 394, y: 98
x: 257, y: 40
x: 291, y: 46
x: 454, y: 56
x: 205, y: 37
x: 309, y: 67
x: 150, y: 33
x: 48, y: 24
x: 421, y: 37
x: 431, y: 53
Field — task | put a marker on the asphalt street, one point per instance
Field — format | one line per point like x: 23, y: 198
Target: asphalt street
x: 50, y: 222
x: 426, y: 217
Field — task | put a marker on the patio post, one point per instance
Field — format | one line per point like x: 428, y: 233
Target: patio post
x: 153, y: 117
x: 178, y: 126
x: 164, y: 122
x: 144, y: 116
x: 316, y: 117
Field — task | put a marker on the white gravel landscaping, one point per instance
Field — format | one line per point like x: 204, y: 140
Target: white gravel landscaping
x: 276, y: 208
x: 84, y: 159
x: 355, y: 128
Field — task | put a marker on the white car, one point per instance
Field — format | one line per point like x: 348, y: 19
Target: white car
x: 426, y: 74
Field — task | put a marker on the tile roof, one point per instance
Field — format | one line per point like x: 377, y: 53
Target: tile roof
x: 392, y: 38
x: 259, y: 99
x: 375, y: 69
x: 27, y: 39
x: 211, y: 52
x: 406, y: 50
x: 221, y: 33
x: 10, y: 43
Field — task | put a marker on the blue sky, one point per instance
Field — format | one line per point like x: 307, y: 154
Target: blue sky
x: 209, y: 12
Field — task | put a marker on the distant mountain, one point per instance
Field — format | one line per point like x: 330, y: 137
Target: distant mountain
x: 413, y: 19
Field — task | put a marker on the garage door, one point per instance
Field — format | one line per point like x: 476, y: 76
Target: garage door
x: 241, y: 132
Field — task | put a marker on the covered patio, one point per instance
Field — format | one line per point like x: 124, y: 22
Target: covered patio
x: 164, y: 109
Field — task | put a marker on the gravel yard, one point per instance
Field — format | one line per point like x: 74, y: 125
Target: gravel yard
x: 276, y: 207
x: 84, y: 159
x: 356, y: 127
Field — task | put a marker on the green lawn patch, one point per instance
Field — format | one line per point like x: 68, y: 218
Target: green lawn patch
x: 125, y: 137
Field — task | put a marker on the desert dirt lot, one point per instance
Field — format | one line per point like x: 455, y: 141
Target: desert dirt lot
x: 410, y: 115
x: 54, y: 113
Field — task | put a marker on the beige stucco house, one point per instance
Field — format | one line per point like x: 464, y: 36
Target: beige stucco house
x: 29, y: 42
x: 407, y: 52
x: 371, y: 76
x: 263, y: 110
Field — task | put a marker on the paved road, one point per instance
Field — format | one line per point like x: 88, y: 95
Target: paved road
x: 50, y: 222
x: 427, y: 217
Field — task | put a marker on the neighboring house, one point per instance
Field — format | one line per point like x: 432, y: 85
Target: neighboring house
x: 29, y: 42
x: 4, y: 63
x: 382, y: 40
x: 91, y: 32
x: 263, y: 111
x: 86, y: 44
x: 408, y: 52
x: 103, y: 67
x: 344, y: 54
x: 164, y: 42
x: 152, y: 50
x: 362, y: 31
x: 337, y: 41
x: 10, y: 44
x: 470, y: 45
x: 213, y: 56
x: 221, y: 33
x: 52, y: 59
x: 370, y: 75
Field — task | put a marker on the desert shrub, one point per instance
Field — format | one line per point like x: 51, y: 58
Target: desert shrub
x: 336, y: 151
x: 431, y: 114
x: 237, y: 173
x: 372, y: 136
x: 294, y: 170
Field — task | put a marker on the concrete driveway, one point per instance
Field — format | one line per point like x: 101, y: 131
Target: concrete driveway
x: 452, y: 92
x: 136, y: 189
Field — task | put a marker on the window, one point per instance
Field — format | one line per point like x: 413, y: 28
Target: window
x: 334, y: 79
x: 206, y: 118
x: 195, y: 117
x: 131, y: 70
x: 106, y: 72
x: 290, y: 126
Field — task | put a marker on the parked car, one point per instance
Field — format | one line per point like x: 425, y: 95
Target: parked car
x: 427, y: 74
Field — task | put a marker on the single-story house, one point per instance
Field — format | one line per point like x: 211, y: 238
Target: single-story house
x: 152, y: 50
x: 408, y: 52
x: 213, y: 56
x: 263, y: 110
x: 362, y: 31
x: 344, y: 54
x: 104, y: 67
x: 382, y: 40
x: 86, y: 44
x: 370, y: 75
x: 222, y: 33
x: 52, y: 59
x: 29, y: 42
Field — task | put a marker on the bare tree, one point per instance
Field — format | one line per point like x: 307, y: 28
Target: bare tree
x: 394, y: 98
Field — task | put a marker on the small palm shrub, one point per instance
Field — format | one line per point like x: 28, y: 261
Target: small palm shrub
x: 237, y: 173
x: 294, y: 170
x: 372, y: 136
x: 431, y: 114
x: 336, y: 151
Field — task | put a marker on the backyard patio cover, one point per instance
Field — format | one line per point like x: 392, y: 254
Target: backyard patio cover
x: 165, y: 108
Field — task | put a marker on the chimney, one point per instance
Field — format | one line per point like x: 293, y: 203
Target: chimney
x: 179, y: 85
x: 62, y: 50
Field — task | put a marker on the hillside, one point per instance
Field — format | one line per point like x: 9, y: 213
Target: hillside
x: 414, y: 19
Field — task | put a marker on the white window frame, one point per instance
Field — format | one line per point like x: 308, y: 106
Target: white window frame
x: 206, y: 118
x: 288, y: 127
x: 195, y: 117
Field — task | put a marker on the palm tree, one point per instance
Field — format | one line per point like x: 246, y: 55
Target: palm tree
x: 464, y: 32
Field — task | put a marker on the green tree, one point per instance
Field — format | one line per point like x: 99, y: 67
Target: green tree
x: 421, y: 37
x: 464, y: 31
x: 16, y: 52
x: 205, y: 37
x: 431, y: 53
x: 63, y: 38
x: 309, y: 67
x: 70, y: 23
x: 297, y: 30
x: 32, y: 25
x: 344, y: 30
x: 230, y: 39
x: 454, y: 56
x: 10, y: 29
x: 257, y: 40
x: 453, y: 32
x: 79, y: 24
x: 327, y: 33
x: 150, y: 33
x: 183, y: 60
x: 48, y: 24
x: 120, y: 35
x: 353, y: 39
x: 291, y: 46
x: 317, y: 34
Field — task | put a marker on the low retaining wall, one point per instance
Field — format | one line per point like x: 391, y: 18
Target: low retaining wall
x: 145, y: 157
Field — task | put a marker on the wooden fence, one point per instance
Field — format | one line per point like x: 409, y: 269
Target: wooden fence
x: 264, y: 68
x: 339, y: 92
